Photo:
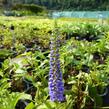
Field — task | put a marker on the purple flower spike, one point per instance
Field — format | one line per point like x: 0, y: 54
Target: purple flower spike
x: 56, y: 85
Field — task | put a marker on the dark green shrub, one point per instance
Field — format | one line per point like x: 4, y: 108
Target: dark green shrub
x: 28, y: 7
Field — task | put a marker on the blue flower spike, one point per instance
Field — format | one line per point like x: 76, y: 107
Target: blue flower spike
x: 56, y: 85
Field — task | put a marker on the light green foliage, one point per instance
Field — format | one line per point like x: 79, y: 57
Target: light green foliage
x: 84, y: 63
x: 32, y: 30
x: 9, y: 100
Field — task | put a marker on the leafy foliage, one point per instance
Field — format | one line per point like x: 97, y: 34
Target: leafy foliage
x: 84, y: 63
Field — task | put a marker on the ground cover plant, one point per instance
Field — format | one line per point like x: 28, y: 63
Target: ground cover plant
x: 25, y: 56
x: 26, y: 33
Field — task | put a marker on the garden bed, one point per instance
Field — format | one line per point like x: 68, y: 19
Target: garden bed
x: 84, y: 57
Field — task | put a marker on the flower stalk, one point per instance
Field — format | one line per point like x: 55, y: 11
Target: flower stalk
x: 56, y: 85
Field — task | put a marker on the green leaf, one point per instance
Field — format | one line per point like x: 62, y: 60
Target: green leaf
x: 49, y: 105
x: 30, y: 106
